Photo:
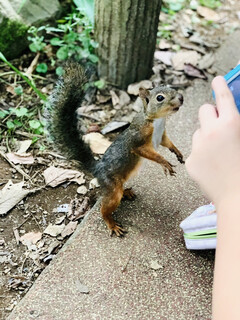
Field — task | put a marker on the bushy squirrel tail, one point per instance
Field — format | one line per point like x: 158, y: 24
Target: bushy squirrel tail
x: 62, y: 122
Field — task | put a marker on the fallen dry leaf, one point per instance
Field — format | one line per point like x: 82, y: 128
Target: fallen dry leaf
x: 11, y: 194
x: 54, y: 230
x: 97, y: 142
x: 54, y: 176
x: 134, y: 87
x: 164, y: 56
x: 208, y: 13
x: 31, y: 238
x: 10, y: 89
x: 60, y: 220
x: 183, y: 57
x: 24, y: 158
x: 69, y: 229
x: 193, y: 71
x: 119, y: 99
x: 23, y: 146
x: 207, y: 61
x: 124, y: 98
x: 163, y: 44
x: 114, y: 125
x: 115, y: 98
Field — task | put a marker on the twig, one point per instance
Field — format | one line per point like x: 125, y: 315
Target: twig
x: 22, y: 223
x: 16, y: 234
x: 6, y: 73
x: 19, y: 170
x: 88, y: 116
x: 32, y: 66
x: 53, y: 154
x: 28, y: 135
x: 36, y: 222
x: 24, y: 263
x: 127, y: 262
x: 8, y: 148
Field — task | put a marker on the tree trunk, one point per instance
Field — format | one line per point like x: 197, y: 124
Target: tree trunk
x: 126, y: 31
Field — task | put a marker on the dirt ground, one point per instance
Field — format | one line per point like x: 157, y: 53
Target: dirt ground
x: 17, y: 269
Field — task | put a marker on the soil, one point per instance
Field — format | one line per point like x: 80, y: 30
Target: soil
x: 18, y: 271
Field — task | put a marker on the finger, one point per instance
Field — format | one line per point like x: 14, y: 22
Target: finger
x: 207, y: 113
x: 224, y: 99
x: 195, y: 138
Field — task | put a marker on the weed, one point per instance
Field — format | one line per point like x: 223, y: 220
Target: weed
x: 21, y: 118
x: 29, y: 82
x: 72, y: 38
x: 213, y: 4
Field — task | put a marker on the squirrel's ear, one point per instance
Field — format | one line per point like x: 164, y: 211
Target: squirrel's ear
x: 143, y: 93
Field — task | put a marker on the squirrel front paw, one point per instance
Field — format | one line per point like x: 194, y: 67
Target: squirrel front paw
x: 168, y: 168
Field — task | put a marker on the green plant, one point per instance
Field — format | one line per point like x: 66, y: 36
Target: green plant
x: 37, y: 41
x: 21, y: 118
x: 72, y: 38
x: 172, y: 6
x: 213, y: 4
x: 165, y: 31
x: 29, y: 82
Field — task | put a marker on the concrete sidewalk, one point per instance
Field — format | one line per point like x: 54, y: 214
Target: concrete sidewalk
x: 148, y: 274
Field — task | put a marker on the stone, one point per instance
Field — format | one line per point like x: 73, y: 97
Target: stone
x: 15, y: 18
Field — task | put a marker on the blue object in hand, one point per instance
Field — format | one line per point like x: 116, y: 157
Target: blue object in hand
x: 233, y: 81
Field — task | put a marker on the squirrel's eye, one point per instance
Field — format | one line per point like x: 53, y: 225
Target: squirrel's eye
x: 160, y: 98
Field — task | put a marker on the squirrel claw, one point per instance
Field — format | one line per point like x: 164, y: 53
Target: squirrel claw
x: 168, y: 168
x: 118, y: 231
x: 180, y: 159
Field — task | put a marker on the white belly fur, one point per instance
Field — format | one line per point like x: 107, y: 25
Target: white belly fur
x: 159, y: 127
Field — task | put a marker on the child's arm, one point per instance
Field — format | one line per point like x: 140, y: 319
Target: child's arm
x: 215, y: 164
x: 226, y: 288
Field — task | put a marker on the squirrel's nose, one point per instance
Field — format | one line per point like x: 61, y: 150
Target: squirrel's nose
x: 180, y: 97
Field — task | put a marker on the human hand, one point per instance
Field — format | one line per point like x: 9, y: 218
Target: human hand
x: 214, y: 162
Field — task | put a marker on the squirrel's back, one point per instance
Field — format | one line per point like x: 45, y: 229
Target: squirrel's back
x: 62, y: 122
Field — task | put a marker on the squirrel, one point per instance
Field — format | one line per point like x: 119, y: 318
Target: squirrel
x: 124, y: 155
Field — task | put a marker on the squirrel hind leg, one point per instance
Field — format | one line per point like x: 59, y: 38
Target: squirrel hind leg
x: 110, y: 202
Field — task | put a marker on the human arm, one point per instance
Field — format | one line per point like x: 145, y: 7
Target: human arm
x: 215, y: 165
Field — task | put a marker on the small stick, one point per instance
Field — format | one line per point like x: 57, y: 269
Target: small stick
x: 16, y: 234
x: 22, y: 223
x: 126, y: 264
x: 32, y: 66
x: 28, y: 135
x: 53, y: 154
x: 88, y: 116
x: 24, y: 263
